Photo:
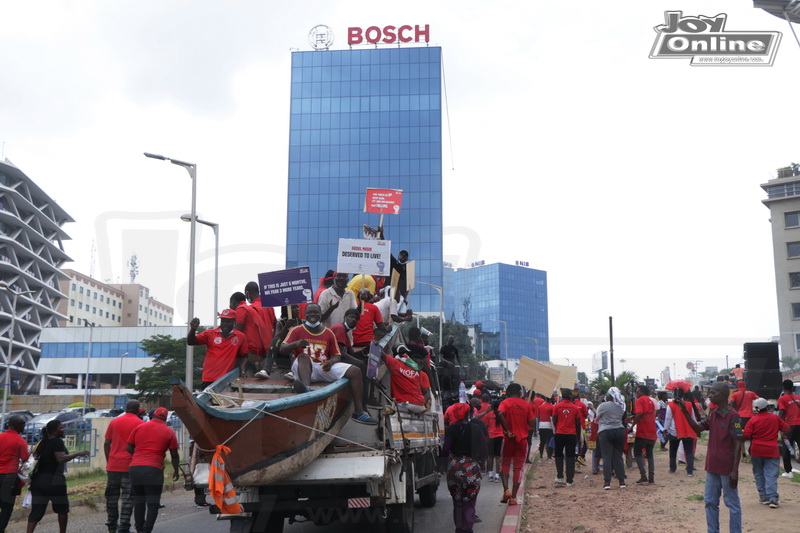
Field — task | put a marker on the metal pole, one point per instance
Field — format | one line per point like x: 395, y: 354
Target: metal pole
x: 88, y: 361
x: 119, y: 383
x: 611, y: 346
x: 216, y: 273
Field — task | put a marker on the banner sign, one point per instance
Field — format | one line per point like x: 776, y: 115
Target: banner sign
x: 360, y: 256
x: 383, y: 201
x: 285, y: 287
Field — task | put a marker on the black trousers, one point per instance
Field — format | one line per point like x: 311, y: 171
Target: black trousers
x: 147, y: 482
x: 8, y: 495
x: 794, y: 437
x: 565, y: 446
x: 612, y: 445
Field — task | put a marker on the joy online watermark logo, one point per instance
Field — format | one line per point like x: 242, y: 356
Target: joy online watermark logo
x: 705, y: 41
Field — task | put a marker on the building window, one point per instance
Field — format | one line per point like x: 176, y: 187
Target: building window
x: 106, y: 314
x: 792, y: 219
x: 793, y: 249
x: 70, y: 318
x: 80, y: 305
x: 794, y: 280
x: 72, y: 303
x: 796, y: 311
x: 81, y: 290
x: 74, y: 286
x: 113, y: 316
x: 94, y: 310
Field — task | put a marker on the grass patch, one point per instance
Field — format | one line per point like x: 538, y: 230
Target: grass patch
x: 695, y: 497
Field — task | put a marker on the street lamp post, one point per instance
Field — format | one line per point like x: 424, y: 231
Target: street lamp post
x: 214, y: 226
x: 441, y: 313
x: 119, y: 383
x: 191, y: 168
x: 88, y: 361
x: 505, y: 330
x: 7, y: 381
x: 536, y: 341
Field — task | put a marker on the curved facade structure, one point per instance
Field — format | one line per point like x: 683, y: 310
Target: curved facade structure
x: 31, y: 253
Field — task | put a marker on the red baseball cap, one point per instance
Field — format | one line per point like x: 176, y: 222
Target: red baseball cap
x: 228, y: 313
x: 161, y: 413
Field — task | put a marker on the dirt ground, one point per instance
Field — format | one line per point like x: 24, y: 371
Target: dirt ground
x: 674, y: 503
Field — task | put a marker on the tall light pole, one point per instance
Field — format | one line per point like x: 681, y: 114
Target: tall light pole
x: 191, y: 168
x: 505, y: 330
x: 7, y: 381
x: 88, y: 361
x: 119, y: 383
x: 214, y: 226
x: 441, y: 314
x: 536, y: 341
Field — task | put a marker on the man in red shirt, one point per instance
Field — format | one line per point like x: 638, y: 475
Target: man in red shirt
x: 224, y: 347
x: 370, y: 319
x: 644, y: 418
x: 148, y: 444
x: 317, y: 358
x: 118, y: 461
x: 516, y: 418
x: 567, y: 420
x: 789, y: 410
x: 763, y: 430
x: 257, y: 323
x: 742, y: 402
x: 13, y: 449
x: 407, y: 382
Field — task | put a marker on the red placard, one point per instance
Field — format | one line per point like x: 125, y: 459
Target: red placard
x: 383, y: 201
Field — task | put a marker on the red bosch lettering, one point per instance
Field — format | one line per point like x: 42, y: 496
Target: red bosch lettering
x: 354, y: 36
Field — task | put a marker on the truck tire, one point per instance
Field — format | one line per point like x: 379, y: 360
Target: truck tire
x: 427, y: 495
x: 400, y: 516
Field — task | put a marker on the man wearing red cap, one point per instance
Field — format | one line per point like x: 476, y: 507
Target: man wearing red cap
x: 148, y: 444
x: 225, y: 347
x: 742, y: 402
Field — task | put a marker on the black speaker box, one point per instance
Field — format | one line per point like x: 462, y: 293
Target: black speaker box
x: 761, y: 356
x: 765, y: 383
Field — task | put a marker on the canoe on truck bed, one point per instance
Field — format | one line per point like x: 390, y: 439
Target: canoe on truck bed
x: 272, y: 432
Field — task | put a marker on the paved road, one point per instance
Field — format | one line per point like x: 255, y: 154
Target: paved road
x: 181, y: 516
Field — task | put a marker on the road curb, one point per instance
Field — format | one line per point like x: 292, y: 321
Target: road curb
x: 511, y: 520
x: 96, y: 501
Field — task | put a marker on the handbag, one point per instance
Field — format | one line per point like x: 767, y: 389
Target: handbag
x: 29, y: 468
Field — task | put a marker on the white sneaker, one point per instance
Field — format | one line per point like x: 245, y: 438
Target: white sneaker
x: 559, y: 480
x: 788, y: 475
x: 569, y: 484
x: 262, y: 374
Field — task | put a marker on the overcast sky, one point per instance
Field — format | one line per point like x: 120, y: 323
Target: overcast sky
x: 633, y: 182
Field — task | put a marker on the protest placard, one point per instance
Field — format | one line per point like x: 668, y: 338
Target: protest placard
x: 285, y: 287
x: 537, y: 376
x: 361, y: 256
x: 383, y: 201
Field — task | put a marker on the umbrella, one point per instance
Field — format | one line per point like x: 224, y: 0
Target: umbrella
x: 682, y: 384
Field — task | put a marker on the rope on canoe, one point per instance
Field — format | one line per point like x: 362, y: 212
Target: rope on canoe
x: 260, y: 410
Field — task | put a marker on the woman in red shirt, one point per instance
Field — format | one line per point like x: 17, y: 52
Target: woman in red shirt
x: 495, y: 442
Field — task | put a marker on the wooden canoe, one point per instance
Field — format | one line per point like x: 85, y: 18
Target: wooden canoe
x: 272, y: 432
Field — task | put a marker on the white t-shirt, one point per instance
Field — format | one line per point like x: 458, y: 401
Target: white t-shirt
x: 346, y: 301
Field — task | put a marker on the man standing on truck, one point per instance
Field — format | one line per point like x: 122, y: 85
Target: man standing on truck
x: 317, y: 358
x: 225, y: 347
x: 789, y: 410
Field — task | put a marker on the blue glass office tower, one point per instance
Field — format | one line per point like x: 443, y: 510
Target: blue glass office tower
x: 516, y: 295
x: 366, y: 118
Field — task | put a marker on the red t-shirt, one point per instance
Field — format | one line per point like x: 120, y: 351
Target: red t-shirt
x: 724, y: 427
x: 742, y: 401
x: 790, y: 403
x: 646, y: 426
x: 546, y: 411
x: 118, y: 432
x: 13, y: 448
x: 568, y: 417
x: 151, y: 441
x: 763, y: 430
x: 518, y: 415
x: 364, y: 332
x: 495, y: 429
x: 424, y: 381
x: 221, y: 352
x: 534, y: 409
x: 340, y: 332
x: 321, y: 346
x: 538, y: 401
x: 406, y: 382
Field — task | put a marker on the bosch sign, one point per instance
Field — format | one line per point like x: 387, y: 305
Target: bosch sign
x: 388, y: 34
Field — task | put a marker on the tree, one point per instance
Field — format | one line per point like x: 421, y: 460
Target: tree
x: 456, y: 329
x: 602, y: 383
x: 790, y: 364
x: 169, y: 356
x: 475, y: 366
x: 583, y: 378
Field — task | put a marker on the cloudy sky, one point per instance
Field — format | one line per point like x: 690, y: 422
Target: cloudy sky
x: 633, y: 182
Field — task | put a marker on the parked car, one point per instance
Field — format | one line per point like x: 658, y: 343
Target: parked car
x: 27, y: 415
x: 71, y: 419
x: 98, y: 413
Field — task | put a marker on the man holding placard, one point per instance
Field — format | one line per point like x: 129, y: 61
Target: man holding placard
x: 336, y: 300
x: 317, y: 358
